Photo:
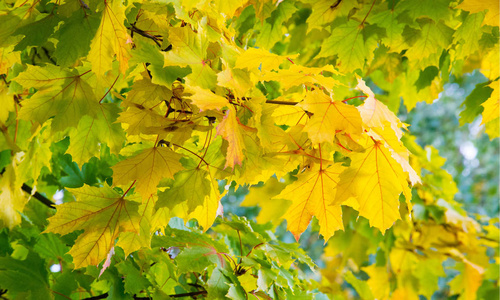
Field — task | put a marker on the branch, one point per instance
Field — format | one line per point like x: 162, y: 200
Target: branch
x: 156, y: 39
x: 105, y: 295
x: 46, y: 201
x: 281, y: 102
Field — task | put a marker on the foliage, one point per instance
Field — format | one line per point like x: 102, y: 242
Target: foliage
x: 134, y: 114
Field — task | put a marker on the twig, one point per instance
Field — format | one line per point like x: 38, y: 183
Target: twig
x: 190, y: 294
x: 46, y: 201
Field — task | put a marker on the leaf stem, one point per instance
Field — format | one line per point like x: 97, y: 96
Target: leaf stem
x: 363, y: 22
x: 202, y: 159
x: 125, y: 194
x: 254, y: 247
x: 345, y: 100
x: 241, y: 246
x: 107, y: 92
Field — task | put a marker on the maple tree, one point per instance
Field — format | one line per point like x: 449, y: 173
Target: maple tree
x: 135, y: 115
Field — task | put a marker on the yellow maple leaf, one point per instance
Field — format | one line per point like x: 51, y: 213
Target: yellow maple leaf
x: 325, y: 11
x: 491, y: 106
x: 138, y: 118
x: 376, y: 180
x: 254, y: 57
x: 12, y: 199
x: 238, y: 81
x: 111, y: 40
x: 329, y: 117
x: 263, y: 197
x: 103, y: 214
x: 205, y: 99
x: 475, y: 6
x: 312, y: 195
x: 230, y: 129
x: 379, y: 281
x: 468, y: 281
x: 205, y: 213
x: 399, y: 152
x: 147, y: 169
x: 375, y: 113
x: 298, y: 75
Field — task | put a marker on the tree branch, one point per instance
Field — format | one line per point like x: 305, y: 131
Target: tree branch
x: 190, y: 294
x: 156, y: 39
x: 46, y: 201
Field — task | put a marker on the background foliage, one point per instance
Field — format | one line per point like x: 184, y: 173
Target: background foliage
x: 156, y: 149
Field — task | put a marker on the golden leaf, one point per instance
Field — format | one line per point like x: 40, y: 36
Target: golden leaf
x: 147, y: 169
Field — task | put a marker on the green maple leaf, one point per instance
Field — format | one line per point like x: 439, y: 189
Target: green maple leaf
x: 191, y: 186
x: 189, y: 49
x: 151, y: 55
x: 434, y: 9
x: 91, y: 131
x: 37, y: 33
x: 427, y: 44
x: 468, y: 35
x: 272, y: 29
x: 347, y: 42
x: 74, y: 37
x: 25, y: 276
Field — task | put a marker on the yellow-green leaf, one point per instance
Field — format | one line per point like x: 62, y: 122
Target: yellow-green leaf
x: 111, y: 40
x: 103, y: 215
x: 231, y: 130
x: 147, y: 169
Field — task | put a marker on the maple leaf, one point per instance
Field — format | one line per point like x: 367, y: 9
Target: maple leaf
x: 254, y: 58
x: 264, y: 196
x: 388, y: 19
x: 12, y: 199
x: 347, y: 42
x: 475, y: 6
x: 230, y: 129
x: 190, y: 186
x: 74, y: 37
x: 111, y: 39
x: 206, y: 213
x: 297, y: 75
x: 103, y: 214
x: 189, y: 49
x: 133, y: 241
x: 329, y: 117
x: 205, y: 99
x: 468, y: 35
x: 237, y: 80
x: 376, y: 180
x: 399, y: 152
x: 491, y: 106
x: 91, y: 131
x: 426, y: 50
x: 325, y: 11
x: 66, y: 96
x: 375, y: 113
x: 312, y: 195
x: 147, y: 169
x: 271, y: 30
